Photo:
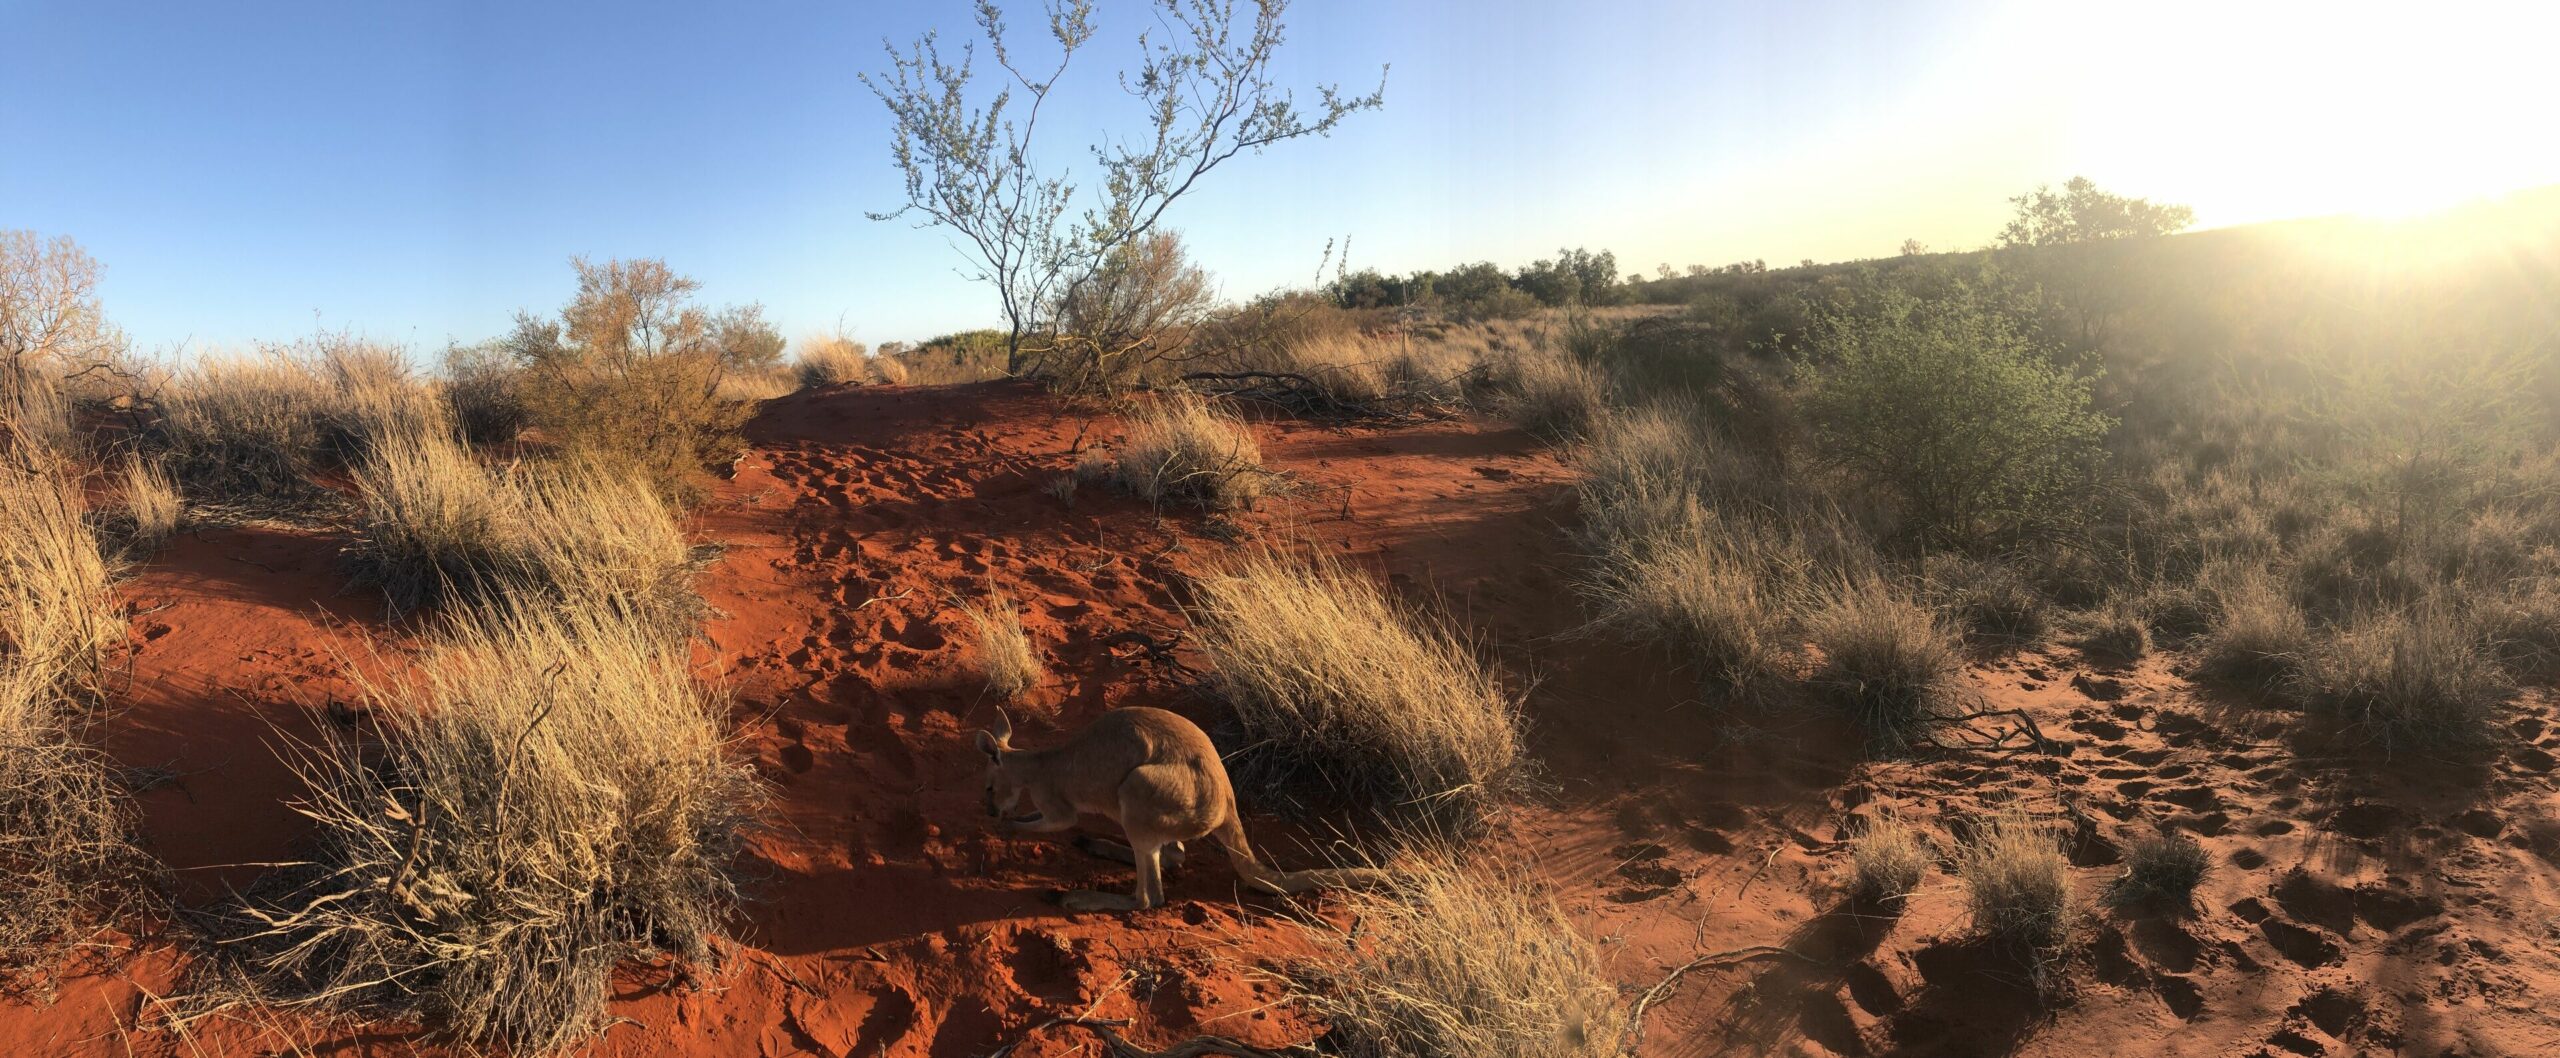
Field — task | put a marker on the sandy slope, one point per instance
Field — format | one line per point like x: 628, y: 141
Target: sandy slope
x: 2355, y: 909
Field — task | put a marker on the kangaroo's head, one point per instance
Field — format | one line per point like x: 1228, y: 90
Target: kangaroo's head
x: 1004, y: 788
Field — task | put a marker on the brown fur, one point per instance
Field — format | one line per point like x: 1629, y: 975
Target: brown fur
x: 1155, y: 774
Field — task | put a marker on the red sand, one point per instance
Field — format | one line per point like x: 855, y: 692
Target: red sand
x: 2348, y: 914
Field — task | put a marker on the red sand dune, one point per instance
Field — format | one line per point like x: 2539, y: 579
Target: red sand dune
x: 2353, y: 910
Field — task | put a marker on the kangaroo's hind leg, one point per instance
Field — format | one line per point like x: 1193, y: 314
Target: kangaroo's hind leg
x: 1149, y: 891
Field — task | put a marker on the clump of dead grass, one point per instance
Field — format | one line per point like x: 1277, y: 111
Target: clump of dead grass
x: 1455, y: 961
x: 1886, y: 860
x: 2408, y: 678
x: 2017, y: 883
x: 152, y: 504
x: 436, y: 526
x: 827, y: 360
x: 2161, y: 872
x: 1182, y: 449
x: 1887, y: 658
x: 1005, y: 658
x: 2260, y: 639
x: 551, y: 798
x: 66, y: 851
x: 1381, y: 702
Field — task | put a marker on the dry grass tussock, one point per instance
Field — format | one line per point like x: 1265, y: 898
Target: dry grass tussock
x: 551, y: 798
x: 2161, y: 872
x: 2410, y: 678
x: 1382, y: 703
x: 152, y: 504
x: 1463, y: 962
x: 1888, y: 659
x: 1182, y: 449
x: 66, y: 855
x: 250, y: 428
x: 435, y: 525
x: 1886, y: 861
x: 2017, y: 883
x: 826, y: 360
x: 749, y: 385
x: 1004, y: 654
x: 1555, y: 396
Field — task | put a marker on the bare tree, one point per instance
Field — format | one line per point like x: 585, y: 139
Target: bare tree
x: 977, y: 169
x: 49, y: 317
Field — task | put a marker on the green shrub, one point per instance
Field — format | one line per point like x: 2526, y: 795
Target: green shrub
x: 1949, y: 407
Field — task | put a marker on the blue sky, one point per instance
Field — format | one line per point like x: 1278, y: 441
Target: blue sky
x: 419, y: 172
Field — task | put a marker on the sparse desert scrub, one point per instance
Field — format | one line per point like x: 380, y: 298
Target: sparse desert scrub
x: 2017, y: 883
x: 1382, y: 703
x: 1887, y: 659
x: 826, y: 360
x: 1886, y: 860
x: 2523, y: 631
x: 2417, y: 677
x: 551, y: 798
x: 2161, y: 872
x: 66, y: 854
x: 1004, y: 655
x: 886, y: 370
x: 373, y: 394
x: 597, y: 535
x: 1182, y: 449
x: 1450, y: 960
x: 749, y: 385
x: 151, y: 502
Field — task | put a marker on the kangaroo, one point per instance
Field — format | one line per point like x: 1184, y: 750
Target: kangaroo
x: 1154, y: 773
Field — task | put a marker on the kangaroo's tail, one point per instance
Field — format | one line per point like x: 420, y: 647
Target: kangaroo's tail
x: 1230, y: 836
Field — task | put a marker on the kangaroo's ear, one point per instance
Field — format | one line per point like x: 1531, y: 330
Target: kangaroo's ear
x: 1003, y: 729
x: 990, y: 745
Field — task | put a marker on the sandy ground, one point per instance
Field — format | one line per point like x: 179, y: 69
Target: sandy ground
x: 2356, y: 907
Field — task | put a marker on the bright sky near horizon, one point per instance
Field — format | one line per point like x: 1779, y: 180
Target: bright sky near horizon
x: 418, y: 172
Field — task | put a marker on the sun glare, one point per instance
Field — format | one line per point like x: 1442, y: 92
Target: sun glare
x: 2262, y: 111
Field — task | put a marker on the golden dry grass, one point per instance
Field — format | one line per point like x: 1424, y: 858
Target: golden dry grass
x: 1886, y: 861
x: 2017, y: 883
x: 555, y: 798
x: 1887, y: 659
x: 826, y: 360
x: 66, y: 853
x: 436, y: 526
x: 1004, y: 655
x: 1455, y: 961
x: 1182, y: 449
x: 152, y: 503
x: 2417, y: 677
x: 1381, y: 703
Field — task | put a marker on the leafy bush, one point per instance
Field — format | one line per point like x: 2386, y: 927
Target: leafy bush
x: 1379, y: 701
x: 631, y: 374
x: 1948, y: 406
x: 485, y: 387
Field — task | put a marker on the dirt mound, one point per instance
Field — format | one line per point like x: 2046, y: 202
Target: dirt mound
x: 2351, y: 908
